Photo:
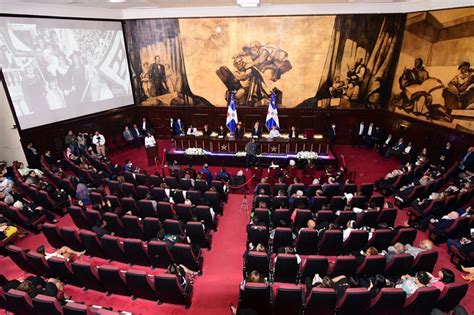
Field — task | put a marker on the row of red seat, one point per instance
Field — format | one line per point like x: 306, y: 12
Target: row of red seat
x: 164, y: 287
x: 290, y: 299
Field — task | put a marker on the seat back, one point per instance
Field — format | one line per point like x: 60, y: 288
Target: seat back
x: 301, y: 218
x: 283, y: 237
x: 376, y: 201
x: 47, y: 305
x: 87, y: 276
x: 140, y: 285
x: 345, y: 265
x: 96, y: 198
x: 113, y: 280
x: 337, y: 203
x: 330, y: 243
x: 289, y: 299
x: 39, y: 264
x: 62, y: 269
x: 357, y: 241
x: 71, y: 239
x: 367, y: 189
x: 129, y: 204
x: 458, y: 229
x: 368, y: 218
x: 164, y: 211
x: 399, y: 265
x: 321, y: 301
x: 78, y: 218
x: 262, y: 215
x: 52, y: 234
x: 168, y: 290
x: 203, y: 213
x: 257, y: 261
x: 350, y: 188
x: 142, y: 191
x: 256, y: 296
x: 159, y: 254
x: 172, y: 227
x: 135, y: 252
x: 387, y: 216
x: 158, y: 194
x: 154, y: 180
x: 151, y: 227
x: 19, y: 302
x: 18, y: 256
x: 359, y: 202
x: 114, y: 224
x: 344, y: 217
x: 113, y: 249
x: 91, y: 216
x: 92, y: 244
x: 184, y: 212
x: 258, y: 234
x: 286, y: 268
x: 324, y: 216
x: 354, y: 301
x: 389, y: 301
x: 381, y: 239
x: 314, y: 265
x: 280, y: 215
x: 371, y: 266
x: 279, y: 202
x: 307, y: 242
x: 133, y: 227
x: 425, y: 261
x: 195, y: 232
x: 451, y: 296
x: 76, y: 309
x: 404, y: 236
x: 146, y: 209
x: 183, y: 254
x: 422, y: 301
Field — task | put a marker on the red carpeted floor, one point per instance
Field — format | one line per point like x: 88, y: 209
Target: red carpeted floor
x: 222, y: 272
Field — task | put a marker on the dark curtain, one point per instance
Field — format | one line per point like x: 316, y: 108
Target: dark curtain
x: 143, y: 33
x: 374, y: 38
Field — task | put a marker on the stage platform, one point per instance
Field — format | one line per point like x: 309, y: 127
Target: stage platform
x: 230, y: 159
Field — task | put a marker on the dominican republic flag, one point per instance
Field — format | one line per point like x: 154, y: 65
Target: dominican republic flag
x: 231, y: 120
x: 272, y: 114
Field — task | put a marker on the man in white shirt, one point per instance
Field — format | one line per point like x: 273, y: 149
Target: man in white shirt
x: 150, y: 140
x: 99, y: 141
x: 192, y: 131
x: 274, y: 133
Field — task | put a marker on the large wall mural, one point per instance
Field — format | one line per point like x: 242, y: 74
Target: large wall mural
x: 416, y: 64
x: 434, y: 80
x: 308, y: 61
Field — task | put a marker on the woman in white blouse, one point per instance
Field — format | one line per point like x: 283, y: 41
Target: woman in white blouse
x: 149, y: 140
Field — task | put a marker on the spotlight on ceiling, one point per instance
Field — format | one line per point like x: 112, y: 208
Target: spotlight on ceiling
x: 248, y: 3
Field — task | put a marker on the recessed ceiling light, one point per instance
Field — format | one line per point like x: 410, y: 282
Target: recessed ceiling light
x: 248, y: 3
x: 117, y: 1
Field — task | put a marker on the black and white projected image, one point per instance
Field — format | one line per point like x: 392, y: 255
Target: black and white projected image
x: 59, y: 69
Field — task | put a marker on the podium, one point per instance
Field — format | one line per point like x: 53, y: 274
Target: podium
x: 152, y: 155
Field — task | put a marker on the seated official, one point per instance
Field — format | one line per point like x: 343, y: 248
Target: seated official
x: 192, y: 131
x: 256, y: 132
x: 274, y: 133
x: 293, y: 134
x: 222, y: 133
x: 150, y: 140
x: 206, y: 131
x: 178, y: 128
x: 239, y: 131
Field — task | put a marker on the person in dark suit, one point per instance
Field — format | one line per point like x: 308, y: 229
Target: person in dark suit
x: 397, y: 149
x: 377, y: 138
x: 331, y: 135
x: 467, y: 161
x: 446, y: 155
x: 158, y: 77
x: 387, y: 144
x: 222, y: 133
x: 358, y: 134
x: 239, y: 131
x: 146, y: 127
x: 256, y: 131
x: 369, y: 136
x: 137, y: 135
x: 32, y: 156
x: 206, y: 131
x: 178, y: 128
x: 293, y: 134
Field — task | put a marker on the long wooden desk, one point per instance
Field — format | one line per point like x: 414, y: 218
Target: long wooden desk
x: 265, y: 145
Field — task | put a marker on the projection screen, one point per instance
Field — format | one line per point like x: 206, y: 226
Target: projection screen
x: 57, y: 69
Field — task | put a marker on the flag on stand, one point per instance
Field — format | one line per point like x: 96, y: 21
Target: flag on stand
x: 272, y: 114
x: 231, y: 120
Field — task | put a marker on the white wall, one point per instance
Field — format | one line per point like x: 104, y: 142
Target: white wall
x: 10, y: 147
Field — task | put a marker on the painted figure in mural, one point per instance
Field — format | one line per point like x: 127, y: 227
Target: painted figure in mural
x: 416, y: 75
x: 158, y: 77
x: 147, y: 86
x: 459, y: 94
x: 173, y: 80
x: 257, y: 66
x: 418, y: 89
x: 338, y: 88
x: 355, y: 76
